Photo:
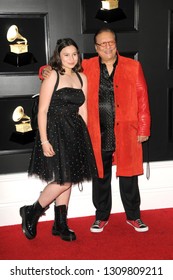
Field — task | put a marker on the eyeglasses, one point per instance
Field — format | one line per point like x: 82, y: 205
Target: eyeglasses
x: 104, y: 44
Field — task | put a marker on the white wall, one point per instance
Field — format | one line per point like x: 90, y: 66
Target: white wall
x: 17, y: 190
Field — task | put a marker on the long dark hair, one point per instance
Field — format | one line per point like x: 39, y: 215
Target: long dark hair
x: 55, y: 60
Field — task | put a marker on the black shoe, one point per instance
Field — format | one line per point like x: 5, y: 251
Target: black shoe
x: 65, y: 233
x: 27, y: 229
x: 30, y: 216
x: 60, y: 227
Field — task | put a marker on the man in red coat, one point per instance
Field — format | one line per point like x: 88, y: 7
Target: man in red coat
x: 118, y: 123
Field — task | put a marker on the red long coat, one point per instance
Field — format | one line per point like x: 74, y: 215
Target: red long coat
x: 132, y: 114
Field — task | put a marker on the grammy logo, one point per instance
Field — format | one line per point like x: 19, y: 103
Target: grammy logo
x: 20, y: 46
x: 23, y: 122
x: 110, y: 11
x: 109, y: 5
x: 19, y: 54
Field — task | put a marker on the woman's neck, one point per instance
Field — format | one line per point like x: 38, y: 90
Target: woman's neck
x: 68, y: 72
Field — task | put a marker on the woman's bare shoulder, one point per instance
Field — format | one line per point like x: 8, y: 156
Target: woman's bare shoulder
x: 83, y: 76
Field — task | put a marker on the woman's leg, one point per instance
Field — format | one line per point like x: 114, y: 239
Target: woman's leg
x: 54, y: 191
x: 60, y: 226
x: 63, y: 198
x: 30, y: 214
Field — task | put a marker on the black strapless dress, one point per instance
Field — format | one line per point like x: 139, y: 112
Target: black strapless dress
x: 67, y: 132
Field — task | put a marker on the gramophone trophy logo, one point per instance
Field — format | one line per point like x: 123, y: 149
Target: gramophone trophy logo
x: 23, y: 122
x: 19, y: 54
x: 110, y: 11
x: 109, y: 5
x: 20, y: 46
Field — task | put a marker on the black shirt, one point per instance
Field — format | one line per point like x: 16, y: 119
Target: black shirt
x: 107, y: 108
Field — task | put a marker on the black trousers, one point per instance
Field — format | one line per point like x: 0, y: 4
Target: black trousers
x: 102, y: 192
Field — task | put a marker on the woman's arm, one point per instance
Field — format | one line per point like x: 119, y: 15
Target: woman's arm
x: 46, y: 91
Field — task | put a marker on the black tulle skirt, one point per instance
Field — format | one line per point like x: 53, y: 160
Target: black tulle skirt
x: 67, y: 132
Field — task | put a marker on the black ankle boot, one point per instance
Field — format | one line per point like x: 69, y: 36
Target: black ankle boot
x: 30, y: 215
x: 60, y: 226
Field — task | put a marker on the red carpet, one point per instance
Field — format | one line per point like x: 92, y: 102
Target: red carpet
x: 119, y: 241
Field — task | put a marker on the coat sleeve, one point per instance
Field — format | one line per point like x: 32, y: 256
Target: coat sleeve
x: 144, y: 118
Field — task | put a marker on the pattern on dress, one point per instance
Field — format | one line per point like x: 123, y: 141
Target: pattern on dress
x: 67, y: 132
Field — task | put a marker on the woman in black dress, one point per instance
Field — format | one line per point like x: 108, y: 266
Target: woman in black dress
x: 62, y: 153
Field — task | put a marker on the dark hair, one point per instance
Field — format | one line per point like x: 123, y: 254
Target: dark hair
x: 55, y: 60
x: 104, y: 29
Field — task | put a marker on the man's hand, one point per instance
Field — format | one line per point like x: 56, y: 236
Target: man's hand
x: 142, y: 138
x: 46, y: 71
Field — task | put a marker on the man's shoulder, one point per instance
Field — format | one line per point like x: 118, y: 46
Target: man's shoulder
x: 91, y: 60
x: 89, y: 64
x: 128, y: 60
x: 128, y: 63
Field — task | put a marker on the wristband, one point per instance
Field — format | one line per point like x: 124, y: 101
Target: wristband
x: 44, y: 142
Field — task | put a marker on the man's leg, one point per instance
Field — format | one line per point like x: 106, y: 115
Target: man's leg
x: 130, y: 197
x: 102, y: 194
